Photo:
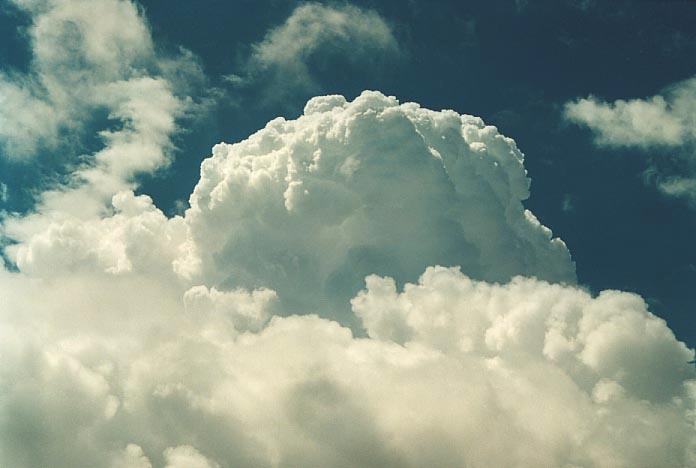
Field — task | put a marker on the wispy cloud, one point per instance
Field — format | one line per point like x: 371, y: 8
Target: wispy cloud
x: 654, y: 121
x: 285, y: 61
x: 94, y: 72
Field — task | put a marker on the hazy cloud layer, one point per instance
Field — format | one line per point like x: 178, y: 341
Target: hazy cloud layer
x: 664, y: 123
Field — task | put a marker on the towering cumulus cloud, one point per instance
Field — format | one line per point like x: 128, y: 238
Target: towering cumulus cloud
x: 371, y: 186
x: 294, y: 316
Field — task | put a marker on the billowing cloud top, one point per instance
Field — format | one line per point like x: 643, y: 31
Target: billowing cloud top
x: 292, y: 316
x: 369, y: 186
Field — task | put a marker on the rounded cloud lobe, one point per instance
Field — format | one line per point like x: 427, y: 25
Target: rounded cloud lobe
x: 293, y: 316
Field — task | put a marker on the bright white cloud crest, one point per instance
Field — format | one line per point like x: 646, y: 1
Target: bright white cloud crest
x: 292, y: 316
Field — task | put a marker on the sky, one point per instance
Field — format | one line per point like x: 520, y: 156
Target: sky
x: 365, y: 233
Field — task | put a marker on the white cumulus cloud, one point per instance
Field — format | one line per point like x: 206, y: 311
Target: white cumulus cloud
x: 369, y: 186
x: 293, y: 316
x: 453, y: 372
x: 129, y: 339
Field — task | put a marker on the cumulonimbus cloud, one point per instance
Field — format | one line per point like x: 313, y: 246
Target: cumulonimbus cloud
x: 318, y: 203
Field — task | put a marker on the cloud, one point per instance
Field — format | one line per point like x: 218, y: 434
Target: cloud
x: 95, y: 76
x: 628, y: 123
x: 316, y: 203
x: 319, y: 201
x: 291, y: 316
x: 316, y: 37
x: 521, y: 5
x: 682, y: 187
x: 136, y: 237
x: 77, y: 46
x: 453, y: 372
x: 187, y: 457
x: 664, y: 123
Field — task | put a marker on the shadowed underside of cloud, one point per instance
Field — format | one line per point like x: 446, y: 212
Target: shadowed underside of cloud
x: 293, y: 315
x: 664, y: 124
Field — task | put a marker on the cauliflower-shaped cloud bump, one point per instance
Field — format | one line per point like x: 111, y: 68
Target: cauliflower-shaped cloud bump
x: 362, y: 187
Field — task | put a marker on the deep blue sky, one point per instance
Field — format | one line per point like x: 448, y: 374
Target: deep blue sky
x: 512, y: 63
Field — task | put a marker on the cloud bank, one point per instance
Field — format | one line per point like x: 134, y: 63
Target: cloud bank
x: 136, y: 340
x: 664, y: 123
